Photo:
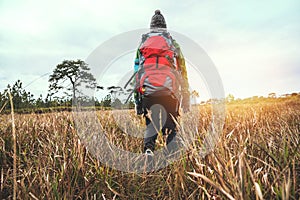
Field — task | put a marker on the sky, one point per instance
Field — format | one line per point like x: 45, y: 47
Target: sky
x: 254, y: 45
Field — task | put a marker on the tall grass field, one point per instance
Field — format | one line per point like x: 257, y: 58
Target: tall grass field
x: 257, y: 156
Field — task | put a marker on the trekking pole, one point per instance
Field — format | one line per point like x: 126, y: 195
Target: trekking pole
x: 129, y: 96
x: 130, y: 79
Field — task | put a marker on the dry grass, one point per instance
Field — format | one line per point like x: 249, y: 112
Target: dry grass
x: 257, y: 157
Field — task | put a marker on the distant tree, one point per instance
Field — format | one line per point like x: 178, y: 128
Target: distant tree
x: 130, y: 103
x: 294, y: 94
x: 194, y: 95
x: 106, y: 102
x: 229, y: 98
x: 117, y: 103
x: 21, y: 98
x: 39, y: 102
x: 75, y: 72
x: 115, y: 91
x: 209, y: 101
x: 272, y: 95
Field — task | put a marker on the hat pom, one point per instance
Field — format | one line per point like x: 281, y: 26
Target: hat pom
x: 157, y: 12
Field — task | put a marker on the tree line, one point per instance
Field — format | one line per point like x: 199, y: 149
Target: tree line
x: 65, y: 85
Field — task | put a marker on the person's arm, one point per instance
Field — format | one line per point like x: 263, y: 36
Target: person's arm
x: 136, y: 94
x: 185, y: 84
x: 137, y: 61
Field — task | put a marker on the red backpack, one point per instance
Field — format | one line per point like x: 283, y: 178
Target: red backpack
x: 158, y: 71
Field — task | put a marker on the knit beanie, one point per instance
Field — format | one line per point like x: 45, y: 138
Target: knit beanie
x: 158, y: 20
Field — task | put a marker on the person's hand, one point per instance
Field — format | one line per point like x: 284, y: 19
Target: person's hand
x: 139, y: 109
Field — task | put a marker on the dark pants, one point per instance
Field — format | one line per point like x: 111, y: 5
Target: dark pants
x: 160, y: 113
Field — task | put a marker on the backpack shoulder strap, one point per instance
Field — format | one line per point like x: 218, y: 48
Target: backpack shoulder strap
x: 144, y: 37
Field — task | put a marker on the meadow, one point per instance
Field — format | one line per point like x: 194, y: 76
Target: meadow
x: 257, y: 156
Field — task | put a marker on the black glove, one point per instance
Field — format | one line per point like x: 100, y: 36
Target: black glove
x: 139, y: 109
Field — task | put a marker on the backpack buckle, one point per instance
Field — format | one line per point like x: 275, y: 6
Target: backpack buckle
x: 141, y: 90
